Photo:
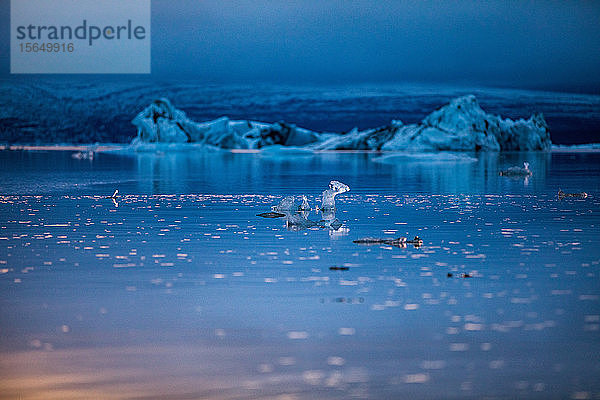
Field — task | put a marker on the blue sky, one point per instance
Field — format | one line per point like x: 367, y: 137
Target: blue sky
x: 549, y: 44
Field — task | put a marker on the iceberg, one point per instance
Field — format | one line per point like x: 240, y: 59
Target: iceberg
x: 461, y: 125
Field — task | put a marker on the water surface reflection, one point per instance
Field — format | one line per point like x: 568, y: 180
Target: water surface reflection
x: 182, y: 291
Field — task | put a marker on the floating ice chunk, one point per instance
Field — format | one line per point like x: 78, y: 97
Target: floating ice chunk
x: 398, y: 242
x: 304, y: 206
x: 580, y: 195
x: 328, y: 196
x: 83, y: 155
x: 286, y: 204
x: 517, y: 171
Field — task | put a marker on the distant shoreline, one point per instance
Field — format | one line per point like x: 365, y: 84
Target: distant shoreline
x: 107, y: 147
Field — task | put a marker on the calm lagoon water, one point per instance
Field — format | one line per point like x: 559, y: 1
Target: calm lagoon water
x: 178, y: 290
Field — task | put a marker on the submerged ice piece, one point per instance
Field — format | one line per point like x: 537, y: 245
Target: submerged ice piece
x: 328, y: 196
x: 297, y: 221
x: 517, y: 171
x: 329, y: 221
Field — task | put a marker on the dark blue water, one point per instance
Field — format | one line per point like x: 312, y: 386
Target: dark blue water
x: 178, y: 289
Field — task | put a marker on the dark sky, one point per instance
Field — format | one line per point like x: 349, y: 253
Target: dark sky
x: 545, y: 44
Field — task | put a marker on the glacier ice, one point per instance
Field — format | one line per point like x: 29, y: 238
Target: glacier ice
x: 461, y: 125
x: 328, y: 196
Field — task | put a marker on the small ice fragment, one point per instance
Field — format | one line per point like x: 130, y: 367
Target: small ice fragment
x: 562, y: 195
x: 304, y: 206
x: 328, y: 196
x: 286, y: 204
